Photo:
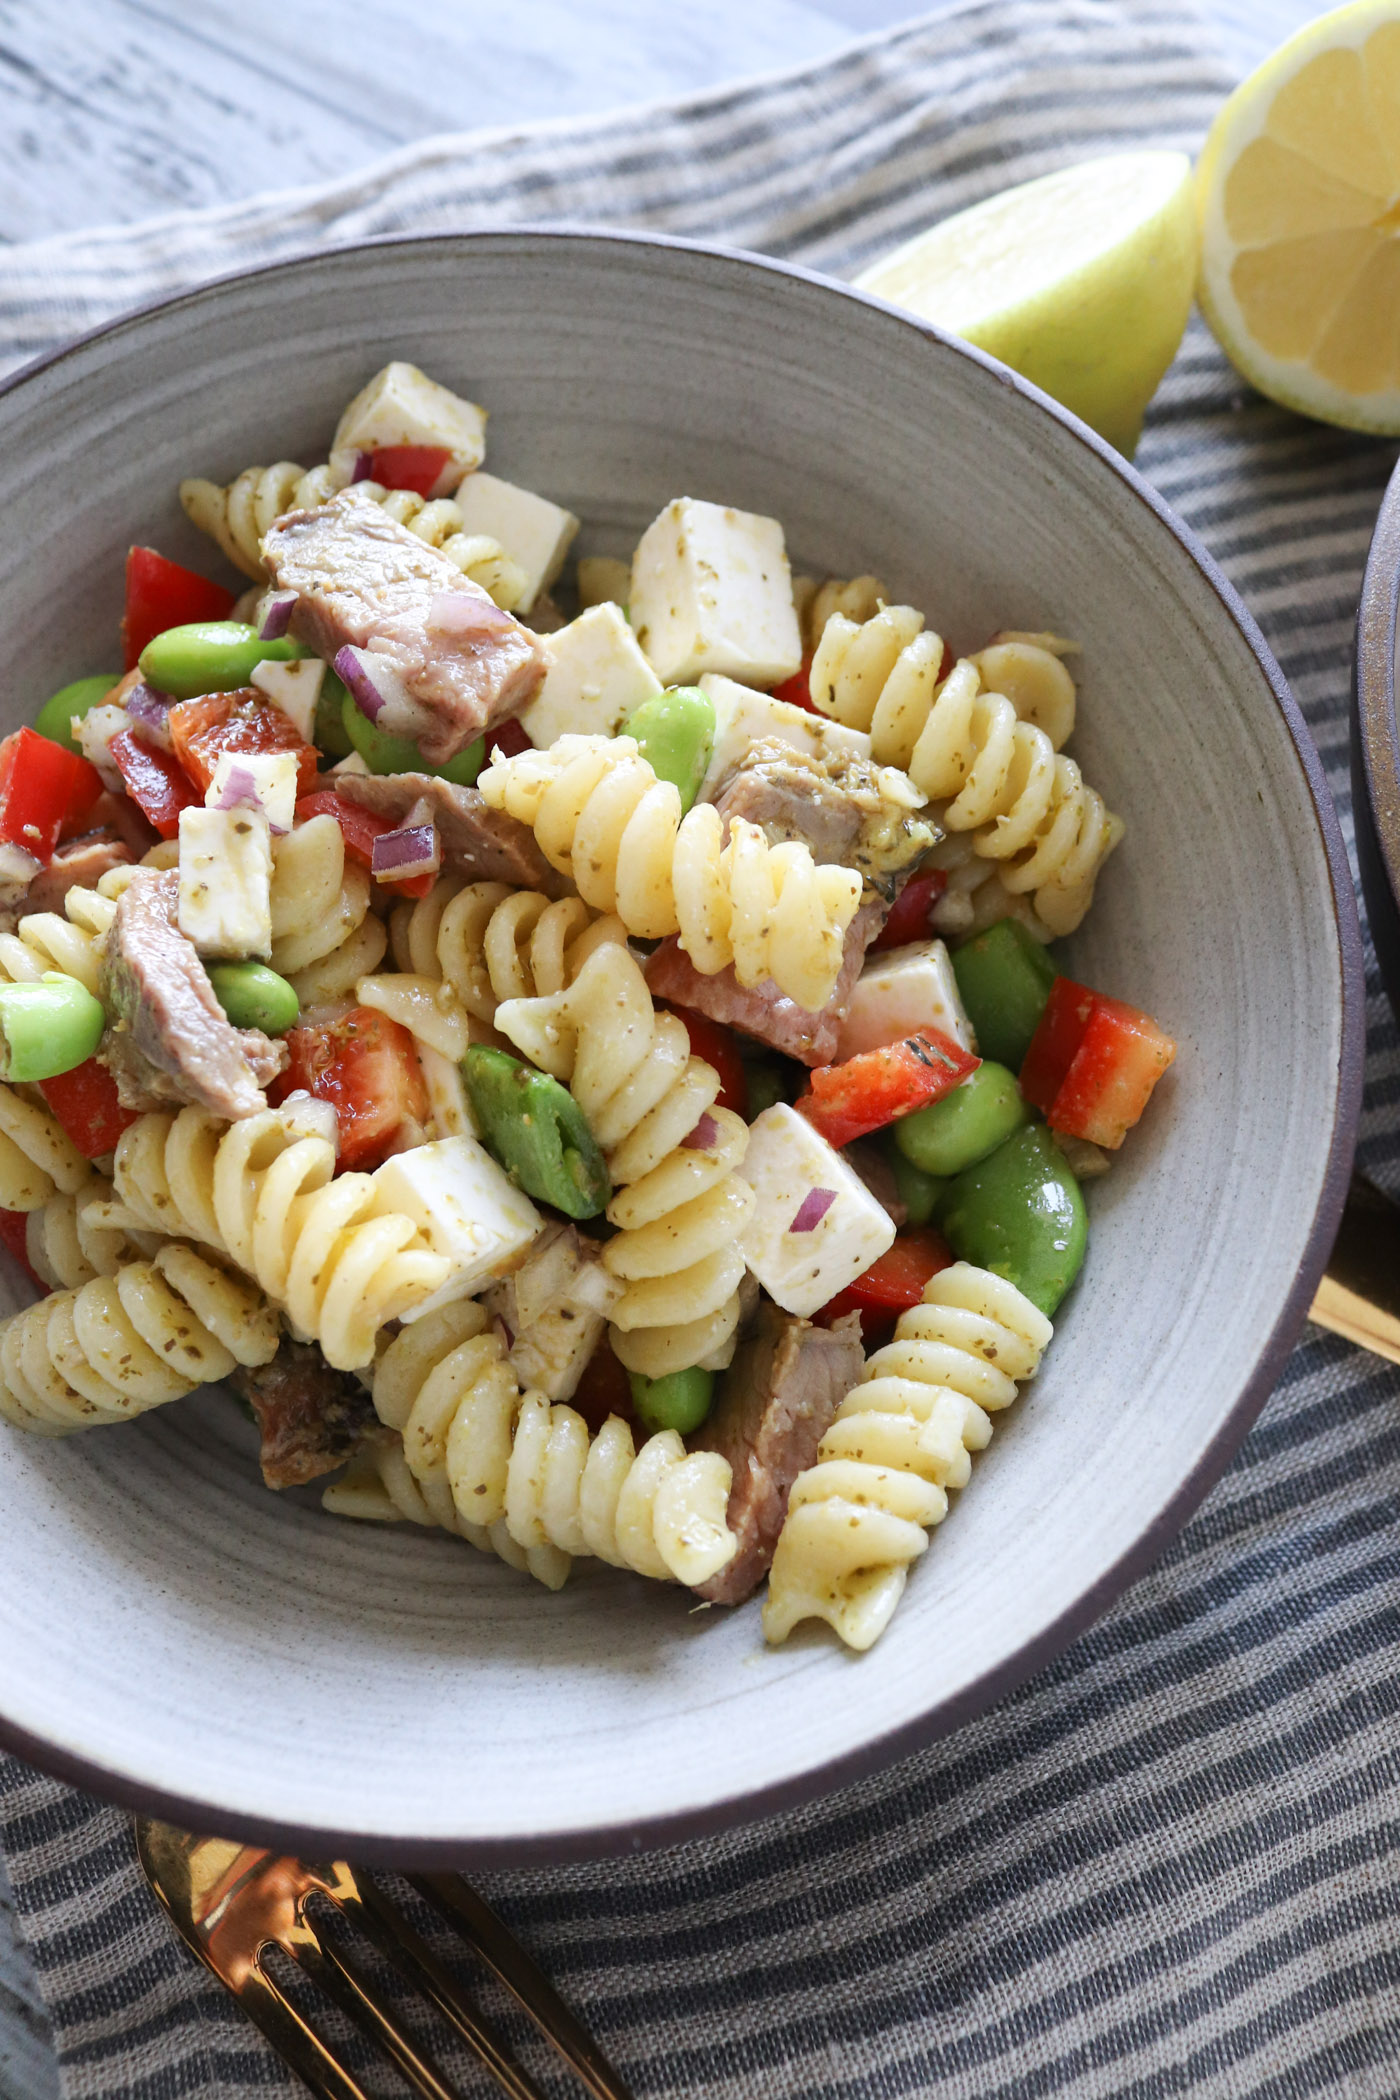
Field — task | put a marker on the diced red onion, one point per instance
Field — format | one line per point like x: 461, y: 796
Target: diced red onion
x: 372, y: 680
x: 465, y: 613
x: 812, y: 1209
x: 151, y: 709
x: 240, y: 789
x: 703, y: 1136
x: 364, y: 468
x: 277, y: 611
x: 414, y: 849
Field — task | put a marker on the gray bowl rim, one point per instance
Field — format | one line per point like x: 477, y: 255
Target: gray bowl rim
x: 1043, y: 1647
x: 1376, y: 735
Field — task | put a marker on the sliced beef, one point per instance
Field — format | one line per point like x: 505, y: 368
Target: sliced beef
x: 777, y: 1401
x: 77, y: 864
x: 761, y: 1010
x: 168, y: 1040
x: 849, y: 811
x: 120, y: 814
x: 555, y: 1306
x: 361, y: 578
x: 312, y: 1418
x: 485, y: 845
x: 865, y: 1158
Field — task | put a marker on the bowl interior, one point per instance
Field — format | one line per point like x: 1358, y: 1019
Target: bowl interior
x: 171, y: 1630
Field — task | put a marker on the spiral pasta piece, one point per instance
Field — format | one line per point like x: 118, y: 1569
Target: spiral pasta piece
x: 67, y: 1242
x: 859, y: 598
x: 149, y: 1332
x: 325, y: 938
x: 987, y: 755
x: 38, y: 1159
x: 522, y: 1478
x: 603, y: 818
x: 261, y: 1191
x: 679, y: 1204
x: 237, y: 516
x: 900, y: 1440
x: 70, y: 940
x: 490, y: 942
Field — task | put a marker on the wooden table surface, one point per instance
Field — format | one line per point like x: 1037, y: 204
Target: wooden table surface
x: 116, y: 110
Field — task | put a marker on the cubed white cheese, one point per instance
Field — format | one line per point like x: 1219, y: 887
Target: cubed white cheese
x: 742, y: 716
x: 899, y: 991
x: 225, y: 904
x: 467, y: 1208
x: 711, y: 591
x: 596, y: 678
x: 95, y: 732
x: 265, y: 780
x: 534, y: 532
x: 402, y: 406
x: 294, y: 687
x: 786, y: 1160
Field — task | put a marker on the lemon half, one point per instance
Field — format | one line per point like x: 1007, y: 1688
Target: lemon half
x: 1298, y: 191
x: 1080, y: 280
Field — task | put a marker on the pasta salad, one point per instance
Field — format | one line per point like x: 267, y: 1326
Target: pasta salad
x: 575, y: 1046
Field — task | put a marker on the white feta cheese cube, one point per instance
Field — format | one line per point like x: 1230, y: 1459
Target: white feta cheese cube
x: 402, y: 406
x: 534, y: 532
x: 787, y: 1161
x: 899, y: 991
x: 596, y: 678
x: 294, y: 687
x: 742, y: 716
x: 711, y: 591
x: 95, y: 732
x: 265, y: 780
x: 225, y: 904
x: 466, y: 1207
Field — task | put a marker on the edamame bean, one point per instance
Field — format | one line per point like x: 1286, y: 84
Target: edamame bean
x: 536, y: 1130
x: 48, y: 1027
x: 399, y: 754
x: 211, y: 656
x: 675, y: 731
x: 964, y: 1125
x: 918, y: 1192
x: 253, y: 996
x: 55, y: 717
x: 328, y: 729
x: 1019, y: 1213
x: 1004, y: 976
x: 768, y: 1082
x: 680, y: 1401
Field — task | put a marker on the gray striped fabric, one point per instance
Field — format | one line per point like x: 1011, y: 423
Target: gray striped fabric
x: 1170, y: 1863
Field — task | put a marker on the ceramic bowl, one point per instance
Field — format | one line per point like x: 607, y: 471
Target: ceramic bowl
x: 1375, y: 739
x: 173, y: 1636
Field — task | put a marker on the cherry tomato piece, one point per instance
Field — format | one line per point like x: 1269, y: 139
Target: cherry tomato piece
x: 365, y: 1065
x: 86, y: 1104
x: 360, y: 827
x: 14, y: 1238
x: 421, y: 468
x: 156, y: 782
x: 909, y: 914
x: 710, y: 1040
x: 797, y: 690
x: 893, y: 1283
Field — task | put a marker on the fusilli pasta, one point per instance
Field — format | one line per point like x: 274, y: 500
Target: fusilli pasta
x: 904, y: 1436
x: 987, y: 755
x: 490, y: 942
x: 121, y: 1343
x: 67, y: 1242
x: 261, y: 1191
x: 70, y: 940
x: 37, y: 1156
x: 325, y: 938
x: 523, y: 1479
x: 679, y: 1204
x: 603, y: 818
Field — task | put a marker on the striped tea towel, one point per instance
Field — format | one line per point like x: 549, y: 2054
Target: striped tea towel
x: 1172, y: 1863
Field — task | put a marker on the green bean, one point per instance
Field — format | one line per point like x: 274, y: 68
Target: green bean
x: 383, y: 753
x: 253, y: 996
x: 48, y: 1027
x: 1004, y: 976
x: 536, y: 1130
x: 211, y: 656
x: 964, y: 1125
x: 1019, y: 1213
x: 679, y: 1401
x: 676, y: 732
x: 54, y: 719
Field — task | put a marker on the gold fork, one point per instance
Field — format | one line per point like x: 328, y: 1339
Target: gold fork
x: 232, y: 1902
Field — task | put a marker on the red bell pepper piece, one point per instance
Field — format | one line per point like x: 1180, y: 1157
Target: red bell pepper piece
x: 14, y: 1238
x: 507, y: 739
x: 360, y: 828
x: 366, y: 1066
x: 708, y: 1039
x: 894, y: 1282
x: 909, y: 914
x: 85, y: 1102
x: 156, y: 782
x: 850, y: 1100
x: 160, y: 594
x: 422, y: 468
x: 797, y: 690
x: 1092, y: 1063
x: 43, y: 788
x: 203, y: 730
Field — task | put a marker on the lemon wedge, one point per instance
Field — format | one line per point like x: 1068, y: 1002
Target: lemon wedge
x: 1080, y: 280
x: 1298, y: 191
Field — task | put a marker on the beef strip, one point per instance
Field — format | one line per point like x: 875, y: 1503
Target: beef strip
x: 77, y: 864
x: 312, y: 1418
x: 120, y: 814
x: 849, y: 811
x: 168, y: 1039
x: 485, y: 845
x: 761, y: 1010
x: 865, y: 1158
x: 555, y: 1306
x: 777, y: 1401
x: 363, y: 579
